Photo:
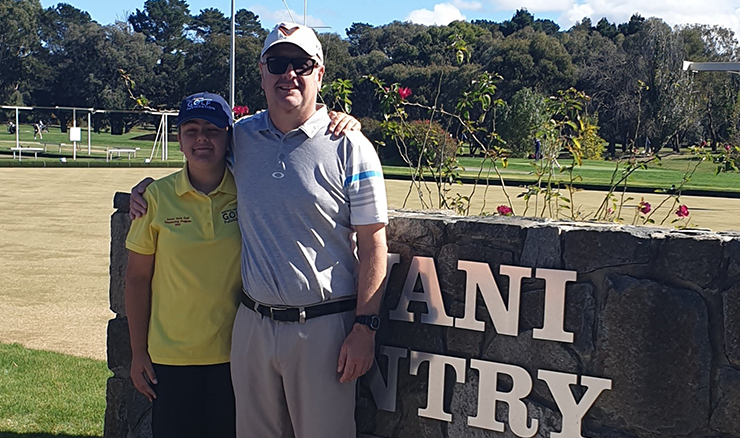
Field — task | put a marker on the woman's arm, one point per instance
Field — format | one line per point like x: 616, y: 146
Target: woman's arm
x: 138, y: 296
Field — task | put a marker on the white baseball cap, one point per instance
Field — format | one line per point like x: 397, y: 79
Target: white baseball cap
x: 298, y: 35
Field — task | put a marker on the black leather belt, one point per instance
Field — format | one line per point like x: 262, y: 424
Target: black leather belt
x: 300, y: 314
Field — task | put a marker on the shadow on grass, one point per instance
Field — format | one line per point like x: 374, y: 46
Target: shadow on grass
x: 42, y: 435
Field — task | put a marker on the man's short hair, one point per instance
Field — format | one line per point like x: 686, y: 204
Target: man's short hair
x: 301, y: 36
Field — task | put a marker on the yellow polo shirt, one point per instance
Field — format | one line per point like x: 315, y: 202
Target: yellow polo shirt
x: 196, y: 244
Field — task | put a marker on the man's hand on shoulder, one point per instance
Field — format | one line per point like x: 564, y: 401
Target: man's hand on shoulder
x: 341, y: 123
x: 137, y: 205
x: 357, y: 354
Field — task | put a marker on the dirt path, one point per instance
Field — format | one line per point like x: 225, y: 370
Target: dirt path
x: 54, y: 243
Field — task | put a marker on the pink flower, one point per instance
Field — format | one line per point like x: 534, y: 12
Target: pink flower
x: 728, y: 147
x: 683, y: 211
x: 644, y: 207
x: 240, y: 111
x: 609, y: 210
x: 504, y: 210
x: 404, y: 92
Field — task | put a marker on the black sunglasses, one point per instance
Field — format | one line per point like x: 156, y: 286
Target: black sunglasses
x: 278, y: 65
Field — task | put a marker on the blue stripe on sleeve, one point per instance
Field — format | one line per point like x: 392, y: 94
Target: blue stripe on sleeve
x: 360, y: 176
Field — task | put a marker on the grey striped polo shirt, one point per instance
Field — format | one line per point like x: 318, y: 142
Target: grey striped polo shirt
x: 300, y: 194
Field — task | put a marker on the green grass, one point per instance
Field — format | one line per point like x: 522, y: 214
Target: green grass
x: 593, y: 174
x: 597, y: 174
x: 45, y: 394
x: 99, y: 143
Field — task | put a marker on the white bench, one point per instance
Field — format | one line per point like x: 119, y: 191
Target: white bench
x: 47, y: 144
x: 20, y: 151
x: 110, y: 151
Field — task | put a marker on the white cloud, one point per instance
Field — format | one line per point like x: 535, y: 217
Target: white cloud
x: 443, y: 13
x: 270, y: 18
x: 467, y: 6
x: 724, y: 13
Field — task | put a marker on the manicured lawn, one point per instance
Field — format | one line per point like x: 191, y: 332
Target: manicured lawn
x: 592, y: 174
x: 99, y: 143
x: 45, y: 394
x: 658, y: 175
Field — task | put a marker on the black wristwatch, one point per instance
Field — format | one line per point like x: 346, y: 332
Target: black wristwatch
x: 372, y: 321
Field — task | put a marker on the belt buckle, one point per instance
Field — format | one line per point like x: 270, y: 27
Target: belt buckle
x: 273, y: 310
x: 301, y: 313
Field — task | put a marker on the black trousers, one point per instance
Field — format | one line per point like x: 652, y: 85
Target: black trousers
x: 193, y: 401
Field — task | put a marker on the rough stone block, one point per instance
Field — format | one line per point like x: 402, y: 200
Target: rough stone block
x: 580, y: 314
x: 732, y: 255
x: 121, y: 201
x: 453, y: 281
x: 464, y: 404
x: 139, y: 414
x: 496, y: 232
x: 417, y: 230
x: 542, y: 248
x: 731, y: 310
x: 693, y: 259
x: 120, y: 224
x: 726, y: 416
x: 116, y: 423
x: 586, y: 250
x: 412, y: 335
x: 532, y: 354
x: 653, y: 344
x: 119, y: 347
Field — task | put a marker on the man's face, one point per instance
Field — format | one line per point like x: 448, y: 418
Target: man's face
x: 288, y: 92
x: 203, y: 143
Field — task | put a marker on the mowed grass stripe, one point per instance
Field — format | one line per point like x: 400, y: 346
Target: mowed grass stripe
x: 50, y: 394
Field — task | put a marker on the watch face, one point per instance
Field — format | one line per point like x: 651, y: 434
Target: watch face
x: 374, y: 322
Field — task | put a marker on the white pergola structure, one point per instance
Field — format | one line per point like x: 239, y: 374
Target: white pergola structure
x: 90, y: 111
x: 730, y: 67
x: 17, y: 126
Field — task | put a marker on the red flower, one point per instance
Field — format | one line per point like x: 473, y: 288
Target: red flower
x: 644, y: 207
x: 404, y: 92
x: 504, y: 210
x: 728, y: 147
x: 240, y: 111
x: 683, y: 211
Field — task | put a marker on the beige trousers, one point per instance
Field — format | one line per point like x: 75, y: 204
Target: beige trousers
x: 285, y: 377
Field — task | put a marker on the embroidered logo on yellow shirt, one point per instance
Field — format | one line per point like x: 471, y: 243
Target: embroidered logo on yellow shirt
x: 229, y: 216
x: 177, y: 221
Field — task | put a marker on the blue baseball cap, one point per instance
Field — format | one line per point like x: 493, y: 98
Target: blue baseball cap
x: 207, y: 106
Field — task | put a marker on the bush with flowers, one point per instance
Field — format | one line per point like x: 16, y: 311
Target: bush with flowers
x: 429, y: 151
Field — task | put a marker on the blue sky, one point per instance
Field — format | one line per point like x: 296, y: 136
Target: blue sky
x: 339, y: 15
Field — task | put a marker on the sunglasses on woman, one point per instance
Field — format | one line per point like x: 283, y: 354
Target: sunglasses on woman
x: 278, y: 65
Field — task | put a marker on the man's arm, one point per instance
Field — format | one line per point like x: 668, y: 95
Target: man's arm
x: 358, y: 350
x: 137, y: 205
x: 138, y: 295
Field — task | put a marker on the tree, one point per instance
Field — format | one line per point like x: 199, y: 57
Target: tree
x: 19, y: 43
x: 530, y: 59
x: 523, y: 117
x: 521, y: 19
x: 248, y: 25
x: 209, y: 22
x: 164, y: 23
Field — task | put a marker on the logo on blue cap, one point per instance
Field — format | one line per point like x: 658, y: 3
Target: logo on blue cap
x: 207, y: 106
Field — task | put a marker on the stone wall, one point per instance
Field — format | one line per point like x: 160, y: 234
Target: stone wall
x: 642, y: 339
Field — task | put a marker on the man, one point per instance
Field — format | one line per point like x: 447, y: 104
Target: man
x: 306, y: 330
